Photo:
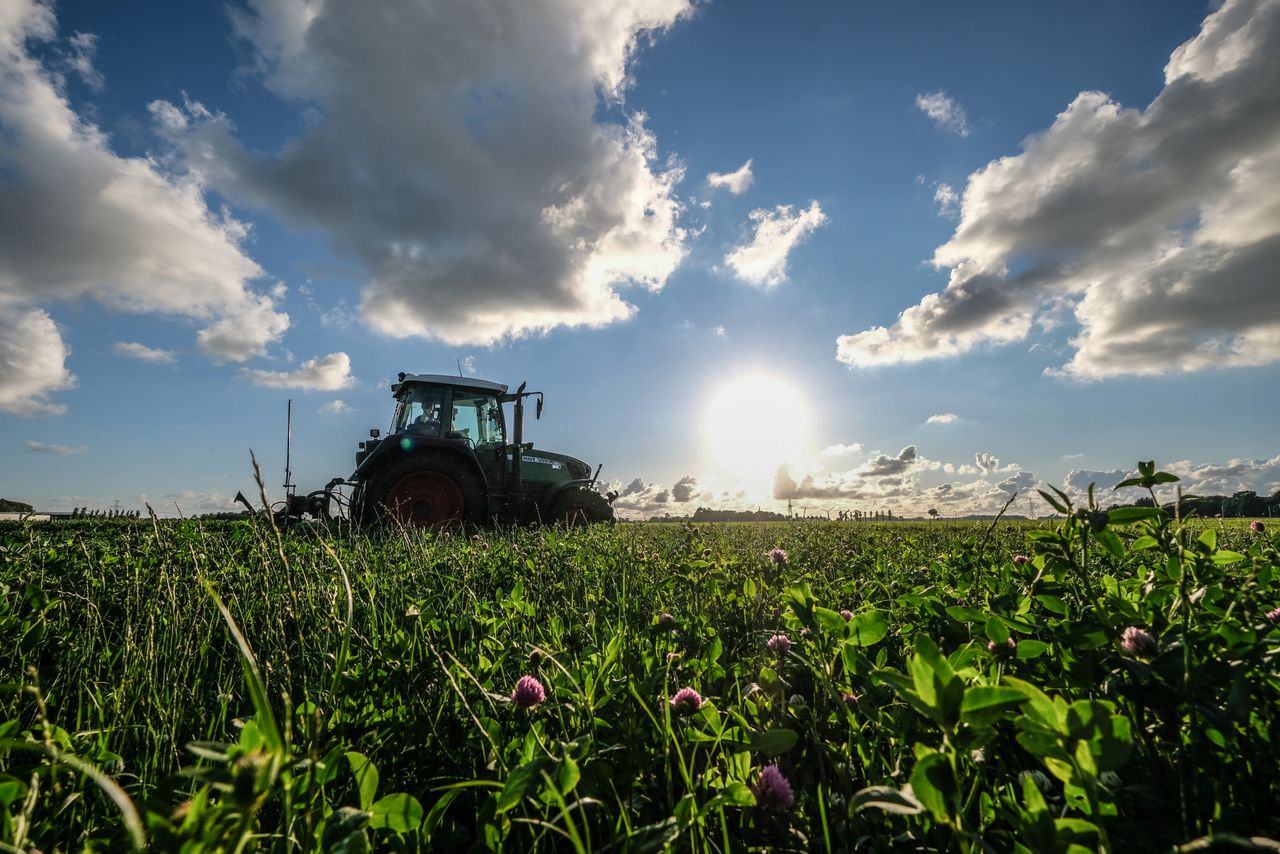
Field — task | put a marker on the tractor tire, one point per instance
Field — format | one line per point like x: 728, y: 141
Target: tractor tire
x: 578, y: 508
x: 424, y: 491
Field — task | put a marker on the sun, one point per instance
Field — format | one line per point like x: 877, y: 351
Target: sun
x: 753, y: 424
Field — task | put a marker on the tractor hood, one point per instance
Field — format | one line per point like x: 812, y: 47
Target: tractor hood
x: 537, y: 464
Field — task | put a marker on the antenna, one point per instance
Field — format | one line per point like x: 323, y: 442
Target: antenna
x: 288, y: 447
x: 459, y: 367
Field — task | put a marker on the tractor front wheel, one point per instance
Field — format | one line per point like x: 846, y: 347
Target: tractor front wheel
x: 581, y: 507
x: 426, y: 492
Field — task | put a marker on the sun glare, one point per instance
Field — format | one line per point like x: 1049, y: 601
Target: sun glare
x: 753, y: 425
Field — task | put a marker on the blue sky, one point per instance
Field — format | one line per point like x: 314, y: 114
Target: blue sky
x: 889, y: 256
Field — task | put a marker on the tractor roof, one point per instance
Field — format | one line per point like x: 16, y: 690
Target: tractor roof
x: 443, y: 379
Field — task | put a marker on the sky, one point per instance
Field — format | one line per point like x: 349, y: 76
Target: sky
x: 844, y: 255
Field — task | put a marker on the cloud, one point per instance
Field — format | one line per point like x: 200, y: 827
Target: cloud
x: 142, y: 352
x: 944, y: 111
x: 32, y: 361
x: 191, y: 502
x: 840, y: 451
x: 47, y: 448
x: 328, y: 373
x: 942, y: 418
x: 461, y: 160
x: 78, y: 220
x: 1259, y: 475
x: 468, y: 365
x: 762, y: 260
x: 685, y: 488
x: 988, y: 463
x: 1157, y: 230
x: 634, y: 488
x: 948, y: 200
x: 883, y: 465
x: 335, y: 407
x: 735, y: 182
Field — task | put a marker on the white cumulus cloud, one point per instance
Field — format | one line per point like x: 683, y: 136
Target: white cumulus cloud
x: 762, y: 260
x: 1157, y: 230
x: 78, y: 220
x: 33, y: 360
x: 943, y: 418
x: 459, y: 157
x: 735, y: 182
x: 327, y: 373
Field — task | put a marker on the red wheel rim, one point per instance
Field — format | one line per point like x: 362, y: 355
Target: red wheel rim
x: 424, y: 499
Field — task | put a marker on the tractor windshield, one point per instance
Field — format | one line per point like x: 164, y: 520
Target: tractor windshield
x: 478, y: 417
x: 420, y: 410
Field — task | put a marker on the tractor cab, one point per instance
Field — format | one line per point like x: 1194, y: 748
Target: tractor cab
x: 449, y: 457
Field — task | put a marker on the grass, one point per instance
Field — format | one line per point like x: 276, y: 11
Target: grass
x: 239, y: 690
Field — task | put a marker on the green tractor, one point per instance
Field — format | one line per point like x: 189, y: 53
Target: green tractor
x: 447, y: 461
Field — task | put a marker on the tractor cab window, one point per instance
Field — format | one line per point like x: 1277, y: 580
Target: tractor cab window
x: 421, y: 410
x: 477, y: 417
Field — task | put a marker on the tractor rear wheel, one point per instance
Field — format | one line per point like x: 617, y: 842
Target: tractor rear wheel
x: 425, y: 492
x: 578, y: 508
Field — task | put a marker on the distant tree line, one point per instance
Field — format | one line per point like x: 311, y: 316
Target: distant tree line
x: 1244, y: 503
x: 7, y: 506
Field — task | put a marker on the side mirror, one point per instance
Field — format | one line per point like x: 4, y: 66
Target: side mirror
x: 537, y: 412
x: 375, y: 433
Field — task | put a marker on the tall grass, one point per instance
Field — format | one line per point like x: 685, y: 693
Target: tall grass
x: 341, y: 689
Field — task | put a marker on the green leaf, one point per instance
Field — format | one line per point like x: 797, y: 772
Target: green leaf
x: 1125, y: 515
x: 739, y: 795
x: 1029, y: 649
x: 519, y: 782
x: 1052, y: 603
x: 1110, y: 542
x: 1053, y: 502
x: 934, y: 785
x: 1225, y: 556
x: 1146, y: 541
x: 399, y: 812
x: 985, y: 704
x: 568, y: 775
x: 997, y: 631
x: 830, y: 621
x: 1209, y: 538
x: 1039, y: 708
x: 867, y: 628
x: 888, y: 799
x: 366, y: 774
x: 961, y: 614
x: 774, y: 742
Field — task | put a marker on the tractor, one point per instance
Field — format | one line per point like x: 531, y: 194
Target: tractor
x: 447, y: 461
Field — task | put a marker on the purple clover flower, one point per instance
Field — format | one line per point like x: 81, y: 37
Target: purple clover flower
x: 1274, y: 616
x: 777, y: 555
x: 846, y: 614
x: 1138, y: 643
x: 666, y: 621
x: 1257, y: 527
x: 849, y: 699
x: 686, y: 701
x: 779, y: 644
x: 772, y: 790
x: 1019, y: 560
x: 528, y: 692
x: 1010, y: 646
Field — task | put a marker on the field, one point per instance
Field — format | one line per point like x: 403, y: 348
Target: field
x: 903, y: 686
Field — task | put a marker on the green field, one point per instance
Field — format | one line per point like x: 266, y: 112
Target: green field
x: 964, y: 700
